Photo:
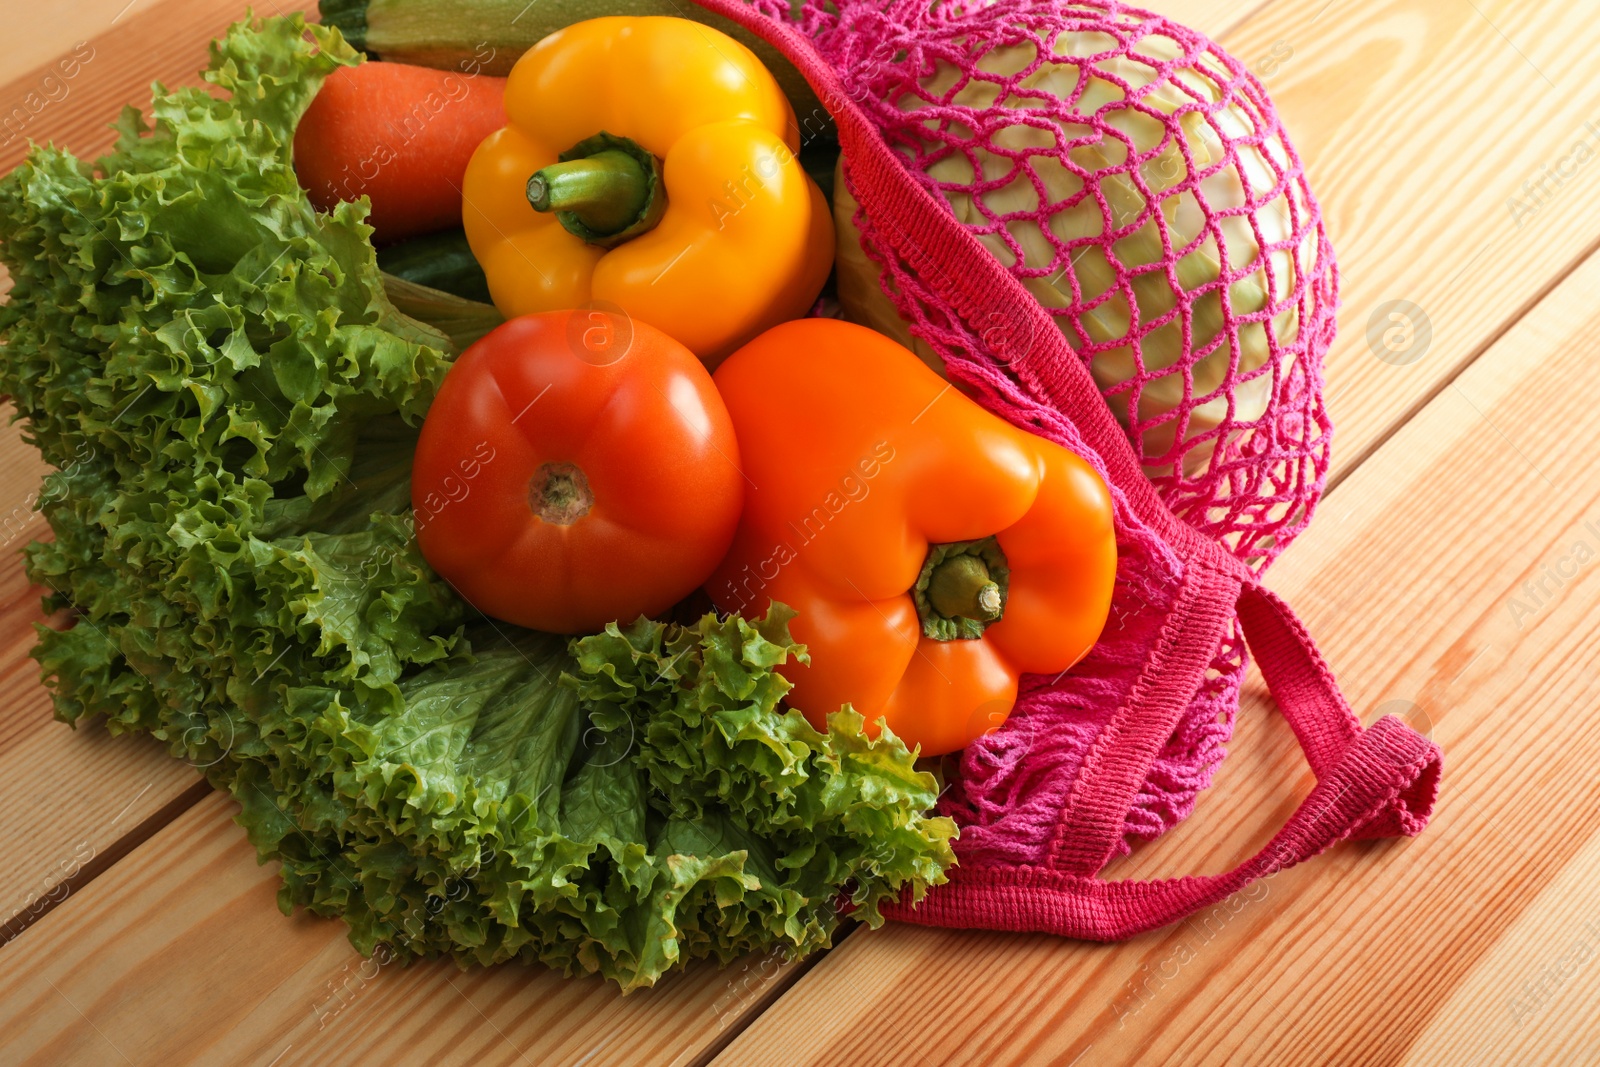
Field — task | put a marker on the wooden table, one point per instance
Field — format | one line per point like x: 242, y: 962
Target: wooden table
x: 1440, y: 136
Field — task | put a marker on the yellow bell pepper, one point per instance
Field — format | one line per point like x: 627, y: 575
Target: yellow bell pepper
x: 649, y: 163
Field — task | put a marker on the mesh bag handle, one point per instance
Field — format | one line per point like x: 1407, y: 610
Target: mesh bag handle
x: 1378, y: 782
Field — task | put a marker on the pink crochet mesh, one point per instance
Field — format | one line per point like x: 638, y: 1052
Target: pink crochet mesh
x: 1192, y: 275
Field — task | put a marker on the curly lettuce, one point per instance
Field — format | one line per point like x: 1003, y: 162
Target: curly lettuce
x: 231, y: 401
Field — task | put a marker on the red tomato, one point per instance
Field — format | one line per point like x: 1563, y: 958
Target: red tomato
x: 576, y: 468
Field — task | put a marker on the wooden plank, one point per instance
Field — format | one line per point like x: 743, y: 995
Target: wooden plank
x: 1213, y: 17
x: 179, y: 955
x: 1417, y: 581
x: 1529, y: 999
x: 1420, y: 122
x: 70, y: 96
x: 35, y: 30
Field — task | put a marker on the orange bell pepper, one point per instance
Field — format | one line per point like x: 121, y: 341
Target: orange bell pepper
x: 649, y: 163
x: 934, y: 551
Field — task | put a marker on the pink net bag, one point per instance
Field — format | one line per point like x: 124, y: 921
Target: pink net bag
x: 1124, y: 258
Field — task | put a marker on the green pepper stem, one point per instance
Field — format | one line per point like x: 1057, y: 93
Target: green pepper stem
x: 961, y: 589
x: 607, y: 191
x: 961, y: 586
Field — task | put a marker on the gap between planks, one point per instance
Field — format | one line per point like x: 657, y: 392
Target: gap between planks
x: 102, y: 859
x: 769, y: 997
x: 1368, y: 449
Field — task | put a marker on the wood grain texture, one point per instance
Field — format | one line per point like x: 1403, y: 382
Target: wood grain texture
x: 179, y: 955
x: 1518, y: 1005
x: 1419, y: 122
x: 1213, y: 17
x: 36, y: 30
x: 1414, y: 581
x: 166, y: 41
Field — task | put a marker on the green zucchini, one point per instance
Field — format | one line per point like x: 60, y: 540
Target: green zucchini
x: 461, y: 321
x: 440, y: 261
x: 487, y: 36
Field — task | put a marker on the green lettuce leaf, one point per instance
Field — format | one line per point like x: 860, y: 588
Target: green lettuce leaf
x: 702, y: 704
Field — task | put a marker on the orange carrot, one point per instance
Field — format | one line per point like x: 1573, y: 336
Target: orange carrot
x: 400, y: 135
